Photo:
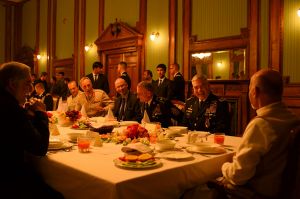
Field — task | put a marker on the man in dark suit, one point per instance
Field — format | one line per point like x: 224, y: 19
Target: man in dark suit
x: 158, y: 109
x: 45, y: 98
x: 122, y: 70
x: 99, y: 80
x: 24, y: 131
x: 178, y: 82
x: 127, y: 105
x: 205, y: 111
x: 163, y: 87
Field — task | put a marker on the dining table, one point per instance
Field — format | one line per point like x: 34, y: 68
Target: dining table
x: 95, y: 175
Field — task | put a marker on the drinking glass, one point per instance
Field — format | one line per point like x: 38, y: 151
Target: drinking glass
x: 84, y: 144
x: 219, y: 138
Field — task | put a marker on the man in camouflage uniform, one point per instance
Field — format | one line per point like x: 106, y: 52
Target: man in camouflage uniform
x: 205, y: 111
x: 159, y: 109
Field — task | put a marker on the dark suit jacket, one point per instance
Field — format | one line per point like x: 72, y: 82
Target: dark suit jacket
x: 161, y: 110
x: 126, y: 77
x: 214, y: 112
x: 164, y: 90
x: 100, y: 83
x: 132, y: 109
x: 60, y: 89
x: 22, y: 134
x: 179, y: 87
x: 47, y: 100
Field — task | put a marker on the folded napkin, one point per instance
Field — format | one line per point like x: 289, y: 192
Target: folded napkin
x: 136, y: 148
x: 145, y: 118
x: 83, y: 111
x: 109, y: 116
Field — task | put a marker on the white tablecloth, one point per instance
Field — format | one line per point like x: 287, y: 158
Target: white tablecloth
x: 94, y: 175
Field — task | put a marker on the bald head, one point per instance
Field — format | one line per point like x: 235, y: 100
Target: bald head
x: 266, y: 87
x: 269, y: 81
x: 121, y: 86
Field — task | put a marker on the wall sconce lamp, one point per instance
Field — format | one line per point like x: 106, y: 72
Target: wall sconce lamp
x: 298, y: 12
x: 40, y: 56
x: 154, y: 36
x: 219, y: 64
x: 88, y: 47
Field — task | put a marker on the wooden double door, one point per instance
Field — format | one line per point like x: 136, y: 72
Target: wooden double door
x: 127, y: 45
x: 133, y: 71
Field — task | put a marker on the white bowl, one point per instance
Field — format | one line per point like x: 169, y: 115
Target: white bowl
x: 166, y: 144
x: 74, y: 135
x: 179, y: 129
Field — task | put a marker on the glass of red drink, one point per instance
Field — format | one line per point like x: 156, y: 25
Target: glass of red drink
x: 219, y: 138
x: 84, y: 144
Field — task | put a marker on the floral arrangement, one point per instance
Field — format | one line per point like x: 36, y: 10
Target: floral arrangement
x: 132, y: 134
x: 52, y: 118
x: 73, y: 115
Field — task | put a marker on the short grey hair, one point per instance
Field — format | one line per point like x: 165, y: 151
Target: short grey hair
x: 146, y: 85
x: 14, y: 71
x: 84, y: 78
x: 200, y: 77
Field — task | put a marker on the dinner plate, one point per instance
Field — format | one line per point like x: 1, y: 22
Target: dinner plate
x: 149, y: 164
x: 175, y: 155
x: 127, y: 123
x: 61, y: 147
x: 206, y: 149
x: 85, y: 128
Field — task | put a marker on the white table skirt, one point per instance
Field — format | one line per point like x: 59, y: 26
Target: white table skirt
x: 94, y: 175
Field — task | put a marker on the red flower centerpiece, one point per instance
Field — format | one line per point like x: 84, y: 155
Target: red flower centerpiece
x: 73, y: 115
x: 135, y: 131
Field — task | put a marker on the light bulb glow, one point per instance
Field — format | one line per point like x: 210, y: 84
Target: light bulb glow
x: 154, y: 36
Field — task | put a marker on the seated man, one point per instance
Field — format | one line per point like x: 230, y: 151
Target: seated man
x: 72, y: 100
x: 158, y: 109
x: 46, y: 98
x: 24, y: 131
x: 261, y: 156
x: 95, y: 101
x: 205, y: 111
x: 127, y: 105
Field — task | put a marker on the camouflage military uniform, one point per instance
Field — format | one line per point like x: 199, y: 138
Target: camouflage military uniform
x: 161, y: 110
x: 212, y: 115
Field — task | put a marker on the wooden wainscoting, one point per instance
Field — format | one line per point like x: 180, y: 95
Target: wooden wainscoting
x: 291, y: 97
x: 236, y: 93
x: 66, y: 66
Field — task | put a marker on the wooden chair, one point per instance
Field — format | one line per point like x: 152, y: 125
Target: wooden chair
x: 290, y: 188
x: 291, y: 175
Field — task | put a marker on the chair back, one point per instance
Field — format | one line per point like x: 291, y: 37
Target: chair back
x: 291, y: 175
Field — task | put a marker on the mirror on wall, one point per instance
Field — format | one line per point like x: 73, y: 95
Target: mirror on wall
x: 229, y: 64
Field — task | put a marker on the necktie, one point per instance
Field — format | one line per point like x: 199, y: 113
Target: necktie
x: 95, y: 77
x: 147, y: 107
x: 201, y: 103
x: 122, y: 110
x: 159, y: 82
